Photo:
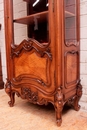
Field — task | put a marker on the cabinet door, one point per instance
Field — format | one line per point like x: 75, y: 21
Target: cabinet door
x: 32, y: 58
x: 71, y: 40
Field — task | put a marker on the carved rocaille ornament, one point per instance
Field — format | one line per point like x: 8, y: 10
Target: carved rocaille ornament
x: 33, y: 97
x: 28, y: 94
x: 31, y: 45
x: 24, y: 93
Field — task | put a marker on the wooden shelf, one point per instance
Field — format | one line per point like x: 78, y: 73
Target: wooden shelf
x: 69, y: 14
x: 30, y: 18
x: 41, y: 17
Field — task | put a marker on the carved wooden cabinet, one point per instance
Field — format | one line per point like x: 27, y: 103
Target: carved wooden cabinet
x: 45, y: 67
x: 1, y: 76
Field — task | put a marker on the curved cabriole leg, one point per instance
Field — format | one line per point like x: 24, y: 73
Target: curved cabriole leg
x: 58, y: 106
x: 10, y: 93
x: 12, y: 99
x: 78, y: 96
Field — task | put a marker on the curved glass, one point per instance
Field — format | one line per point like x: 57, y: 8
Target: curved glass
x: 70, y: 22
x: 38, y: 28
x: 37, y: 6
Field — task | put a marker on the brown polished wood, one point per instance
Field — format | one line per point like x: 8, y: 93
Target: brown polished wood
x: 29, y: 19
x: 46, y: 72
x: 1, y: 77
x: 0, y: 26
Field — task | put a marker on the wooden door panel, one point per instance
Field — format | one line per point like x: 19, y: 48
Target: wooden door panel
x: 71, y: 68
x: 30, y: 64
x: 32, y: 61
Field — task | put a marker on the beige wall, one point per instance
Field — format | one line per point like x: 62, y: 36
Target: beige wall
x: 2, y: 41
x: 20, y: 30
x: 83, y: 59
x: 21, y: 33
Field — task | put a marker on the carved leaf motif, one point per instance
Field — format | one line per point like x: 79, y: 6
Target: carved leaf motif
x: 28, y: 94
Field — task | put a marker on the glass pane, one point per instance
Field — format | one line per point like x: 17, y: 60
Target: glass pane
x: 38, y: 29
x: 70, y: 21
x: 36, y: 6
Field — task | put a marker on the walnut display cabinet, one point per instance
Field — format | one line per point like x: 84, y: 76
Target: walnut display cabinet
x: 45, y: 67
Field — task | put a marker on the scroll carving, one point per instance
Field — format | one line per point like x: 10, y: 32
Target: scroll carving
x: 71, y: 43
x: 11, y: 94
x: 31, y: 45
x: 20, y: 78
x: 26, y: 93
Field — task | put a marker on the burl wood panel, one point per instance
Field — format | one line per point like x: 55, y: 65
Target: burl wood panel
x: 71, y: 69
x: 30, y: 64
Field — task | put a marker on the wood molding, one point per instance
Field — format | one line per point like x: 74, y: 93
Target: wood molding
x: 29, y: 45
x: 0, y: 26
x: 71, y: 43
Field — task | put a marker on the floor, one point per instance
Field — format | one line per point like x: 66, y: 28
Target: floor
x: 27, y: 116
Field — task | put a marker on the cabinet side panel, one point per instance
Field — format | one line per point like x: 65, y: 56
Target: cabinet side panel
x: 71, y: 69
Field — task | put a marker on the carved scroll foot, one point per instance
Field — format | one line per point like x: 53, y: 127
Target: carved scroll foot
x: 12, y: 100
x: 58, y: 106
x: 74, y: 101
x: 10, y: 94
x: 78, y: 96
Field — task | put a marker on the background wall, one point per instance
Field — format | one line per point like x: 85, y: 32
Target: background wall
x: 83, y: 59
x: 21, y: 32
x: 2, y: 41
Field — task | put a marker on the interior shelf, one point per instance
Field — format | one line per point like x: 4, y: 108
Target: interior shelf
x: 69, y: 14
x: 26, y: 0
x: 40, y: 16
x: 30, y: 18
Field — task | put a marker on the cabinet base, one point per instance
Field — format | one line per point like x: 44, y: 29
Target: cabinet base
x: 57, y: 99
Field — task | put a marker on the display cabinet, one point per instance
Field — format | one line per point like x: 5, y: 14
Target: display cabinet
x: 45, y: 67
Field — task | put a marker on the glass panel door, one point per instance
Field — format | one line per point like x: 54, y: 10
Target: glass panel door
x: 37, y: 6
x: 70, y: 22
x: 38, y: 29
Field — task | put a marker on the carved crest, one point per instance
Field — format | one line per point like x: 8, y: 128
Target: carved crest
x: 31, y: 45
